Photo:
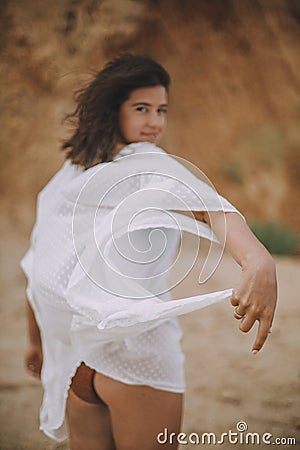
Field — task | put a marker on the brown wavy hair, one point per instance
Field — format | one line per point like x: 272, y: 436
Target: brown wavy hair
x: 96, y: 116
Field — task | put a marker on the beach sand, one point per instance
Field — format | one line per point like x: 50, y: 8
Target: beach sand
x: 226, y: 384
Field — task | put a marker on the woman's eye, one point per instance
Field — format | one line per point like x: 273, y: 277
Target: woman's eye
x: 162, y: 110
x: 141, y: 109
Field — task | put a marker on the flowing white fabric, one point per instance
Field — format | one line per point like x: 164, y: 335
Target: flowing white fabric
x: 101, y: 249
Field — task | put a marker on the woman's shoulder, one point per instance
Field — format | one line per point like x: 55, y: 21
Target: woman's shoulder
x: 139, y: 148
x: 146, y: 147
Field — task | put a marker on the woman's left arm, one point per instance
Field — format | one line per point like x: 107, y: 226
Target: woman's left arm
x: 255, y: 295
x: 33, y: 360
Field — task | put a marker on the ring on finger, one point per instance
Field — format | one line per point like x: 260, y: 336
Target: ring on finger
x: 236, y: 314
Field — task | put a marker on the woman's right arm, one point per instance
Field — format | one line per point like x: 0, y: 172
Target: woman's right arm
x: 34, y: 355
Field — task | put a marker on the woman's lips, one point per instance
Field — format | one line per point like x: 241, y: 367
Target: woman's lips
x: 152, y: 136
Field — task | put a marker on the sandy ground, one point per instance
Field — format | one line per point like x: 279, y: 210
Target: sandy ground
x: 226, y: 383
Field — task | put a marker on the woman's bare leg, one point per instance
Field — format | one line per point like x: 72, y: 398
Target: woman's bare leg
x: 88, y: 417
x: 89, y: 425
x: 139, y: 413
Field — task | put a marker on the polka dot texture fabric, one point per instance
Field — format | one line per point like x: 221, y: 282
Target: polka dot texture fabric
x: 151, y: 355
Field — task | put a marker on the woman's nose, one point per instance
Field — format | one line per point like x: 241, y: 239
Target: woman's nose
x: 155, y: 119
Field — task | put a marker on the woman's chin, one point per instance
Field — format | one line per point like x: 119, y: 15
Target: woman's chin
x: 151, y: 139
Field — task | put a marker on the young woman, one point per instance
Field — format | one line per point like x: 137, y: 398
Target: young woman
x: 107, y: 353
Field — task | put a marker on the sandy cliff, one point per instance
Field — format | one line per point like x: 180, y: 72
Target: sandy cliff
x: 235, y: 103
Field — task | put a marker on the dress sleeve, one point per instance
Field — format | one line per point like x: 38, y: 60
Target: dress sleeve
x: 109, y: 302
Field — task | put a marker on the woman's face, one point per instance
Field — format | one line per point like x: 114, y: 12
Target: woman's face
x: 143, y: 116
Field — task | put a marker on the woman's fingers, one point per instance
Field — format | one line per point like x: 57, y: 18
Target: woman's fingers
x: 247, y: 322
x: 237, y: 313
x: 254, y: 299
x: 33, y: 371
x: 33, y: 362
x: 234, y: 299
x: 262, y: 334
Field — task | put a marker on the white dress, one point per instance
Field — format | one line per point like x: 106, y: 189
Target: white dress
x: 97, y: 267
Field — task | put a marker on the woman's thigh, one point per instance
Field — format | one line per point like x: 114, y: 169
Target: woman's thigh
x: 139, y: 413
x: 89, y: 425
x: 88, y: 417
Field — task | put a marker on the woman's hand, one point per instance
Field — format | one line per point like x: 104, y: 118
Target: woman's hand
x: 33, y: 360
x: 255, y: 297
